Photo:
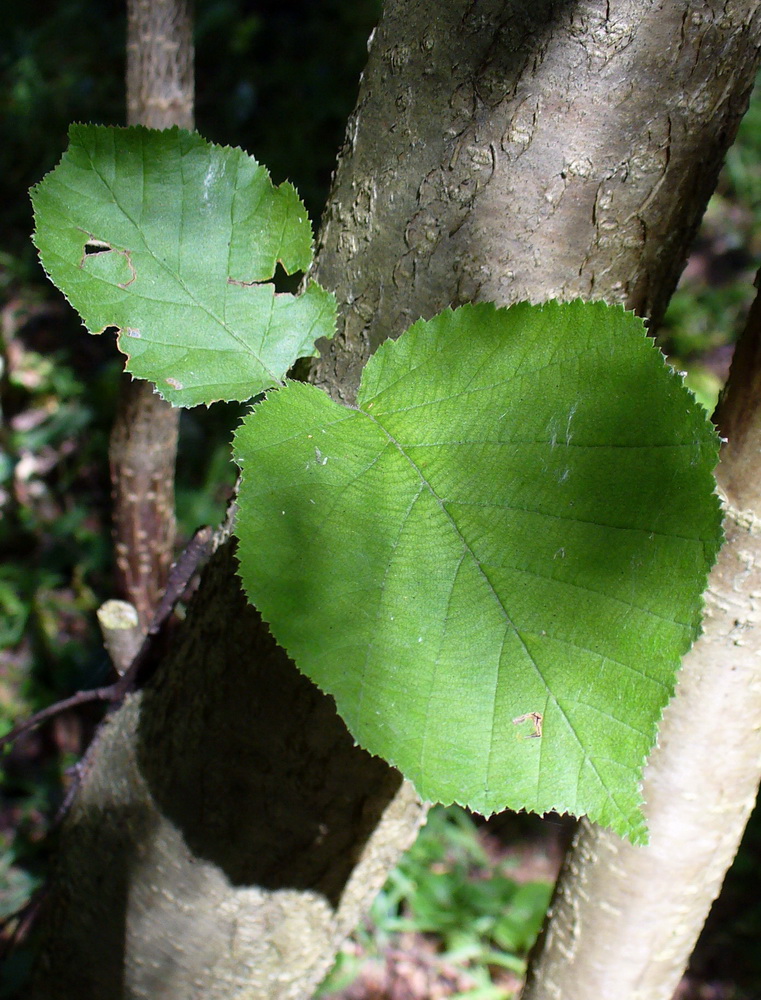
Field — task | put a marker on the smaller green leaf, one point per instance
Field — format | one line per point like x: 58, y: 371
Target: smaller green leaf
x: 174, y: 241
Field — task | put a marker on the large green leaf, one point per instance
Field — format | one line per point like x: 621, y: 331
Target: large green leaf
x: 495, y: 562
x: 174, y: 241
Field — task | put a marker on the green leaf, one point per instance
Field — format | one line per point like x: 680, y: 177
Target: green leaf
x: 174, y: 241
x: 509, y: 536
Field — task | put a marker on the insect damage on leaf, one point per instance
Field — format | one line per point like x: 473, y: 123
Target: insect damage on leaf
x: 180, y: 239
x: 93, y: 246
x: 107, y: 263
x: 536, y: 719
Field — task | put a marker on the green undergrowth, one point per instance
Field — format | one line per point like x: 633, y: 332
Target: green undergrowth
x: 471, y: 904
x: 55, y: 556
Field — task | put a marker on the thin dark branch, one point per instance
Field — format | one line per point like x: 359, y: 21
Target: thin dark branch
x: 143, y: 664
x: 80, y: 698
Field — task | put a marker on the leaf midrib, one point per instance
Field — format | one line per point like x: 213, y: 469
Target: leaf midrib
x: 176, y: 276
x: 586, y: 759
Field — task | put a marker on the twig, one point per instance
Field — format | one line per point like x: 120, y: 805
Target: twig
x: 143, y: 664
x: 80, y: 698
x: 122, y: 636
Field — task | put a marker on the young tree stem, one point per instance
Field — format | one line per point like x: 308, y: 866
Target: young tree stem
x: 144, y: 437
x: 625, y: 919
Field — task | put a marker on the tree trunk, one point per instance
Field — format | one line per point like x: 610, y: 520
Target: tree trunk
x: 144, y: 437
x: 227, y: 834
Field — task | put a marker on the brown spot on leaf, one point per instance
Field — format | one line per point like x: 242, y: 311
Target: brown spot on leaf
x: 536, y: 719
x: 128, y: 258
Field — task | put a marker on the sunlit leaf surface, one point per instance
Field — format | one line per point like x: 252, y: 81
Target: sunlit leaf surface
x: 495, y: 562
x: 174, y: 241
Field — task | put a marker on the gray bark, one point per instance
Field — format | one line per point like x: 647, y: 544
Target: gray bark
x: 227, y: 834
x: 502, y: 151
x: 160, y: 57
x: 219, y: 844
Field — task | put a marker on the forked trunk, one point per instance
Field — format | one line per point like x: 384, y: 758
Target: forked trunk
x: 227, y: 834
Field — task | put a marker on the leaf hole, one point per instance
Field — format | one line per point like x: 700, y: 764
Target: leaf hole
x: 285, y: 282
x: 93, y: 247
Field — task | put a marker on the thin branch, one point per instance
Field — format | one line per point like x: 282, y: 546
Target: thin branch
x: 143, y: 446
x: 143, y: 663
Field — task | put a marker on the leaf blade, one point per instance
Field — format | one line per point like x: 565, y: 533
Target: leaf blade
x: 491, y: 539
x: 173, y: 241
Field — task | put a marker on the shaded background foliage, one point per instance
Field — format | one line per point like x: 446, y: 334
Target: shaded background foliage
x: 278, y: 79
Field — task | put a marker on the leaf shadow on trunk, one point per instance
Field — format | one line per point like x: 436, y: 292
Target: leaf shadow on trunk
x: 250, y: 760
